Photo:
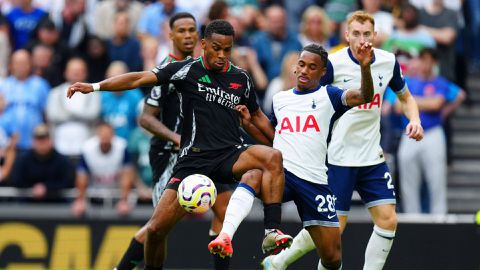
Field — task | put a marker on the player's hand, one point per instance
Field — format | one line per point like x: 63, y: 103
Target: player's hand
x: 84, y: 88
x: 414, y: 131
x: 244, y: 113
x: 365, y: 53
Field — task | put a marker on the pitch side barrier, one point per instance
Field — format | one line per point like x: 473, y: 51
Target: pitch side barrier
x: 34, y: 236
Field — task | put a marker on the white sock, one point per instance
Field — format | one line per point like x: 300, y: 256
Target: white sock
x: 238, y: 208
x: 378, y: 248
x: 321, y: 267
x: 301, y: 245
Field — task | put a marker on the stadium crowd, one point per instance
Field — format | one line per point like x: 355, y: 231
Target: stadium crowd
x: 49, y: 143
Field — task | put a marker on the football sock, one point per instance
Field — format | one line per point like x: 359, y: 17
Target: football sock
x: 321, y: 267
x: 219, y: 262
x: 132, y: 257
x: 378, y: 248
x: 238, y: 208
x: 301, y: 245
x: 272, y: 215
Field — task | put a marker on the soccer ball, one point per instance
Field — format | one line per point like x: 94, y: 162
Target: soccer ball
x: 197, y: 193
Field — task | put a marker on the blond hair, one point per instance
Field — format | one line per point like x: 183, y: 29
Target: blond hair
x: 316, y: 11
x: 361, y: 17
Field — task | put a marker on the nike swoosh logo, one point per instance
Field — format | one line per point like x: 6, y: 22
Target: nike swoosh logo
x: 347, y: 80
x: 282, y: 107
x: 330, y: 217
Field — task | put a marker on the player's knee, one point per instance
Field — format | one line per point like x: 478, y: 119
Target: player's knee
x: 332, y: 261
x: 154, y: 228
x: 253, y: 178
x: 387, y: 221
x: 274, y: 160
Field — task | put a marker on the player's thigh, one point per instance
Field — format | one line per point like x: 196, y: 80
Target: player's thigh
x: 342, y: 181
x: 166, y: 214
x: 375, y: 185
x: 257, y: 157
x: 224, y: 192
x: 384, y: 216
x: 327, y: 240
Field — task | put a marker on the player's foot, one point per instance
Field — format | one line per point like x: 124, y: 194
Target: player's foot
x: 222, y: 245
x: 275, y: 241
x: 267, y: 263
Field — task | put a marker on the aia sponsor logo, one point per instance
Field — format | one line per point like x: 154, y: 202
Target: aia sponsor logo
x: 375, y: 103
x: 234, y: 86
x: 298, y: 124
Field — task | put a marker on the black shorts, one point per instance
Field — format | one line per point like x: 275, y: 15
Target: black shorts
x: 160, y: 161
x: 217, y: 165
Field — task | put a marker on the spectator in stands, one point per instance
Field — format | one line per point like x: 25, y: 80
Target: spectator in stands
x: 383, y: 20
x: 274, y: 43
x: 4, y: 46
x: 427, y: 157
x: 104, y: 16
x: 285, y: 81
x: 43, y: 66
x: 72, y: 24
x: 407, y: 41
x: 119, y: 108
x: 442, y: 24
x: 315, y: 27
x: 154, y: 16
x: 23, y: 19
x: 7, y: 148
x: 149, y: 53
x: 104, y: 165
x: 42, y: 168
x: 337, y: 11
x: 72, y: 121
x: 25, y: 97
x: 122, y: 46
x: 97, y: 59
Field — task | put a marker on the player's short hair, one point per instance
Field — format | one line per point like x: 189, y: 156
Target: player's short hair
x: 361, y: 17
x: 317, y: 49
x: 178, y: 16
x: 429, y: 51
x: 221, y: 27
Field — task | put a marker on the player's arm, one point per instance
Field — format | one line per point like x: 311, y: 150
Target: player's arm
x: 410, y: 108
x: 250, y: 127
x: 363, y: 95
x: 121, y: 82
x: 149, y: 121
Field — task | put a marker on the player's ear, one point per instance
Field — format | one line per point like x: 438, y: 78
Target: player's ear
x: 204, y: 44
x: 170, y: 35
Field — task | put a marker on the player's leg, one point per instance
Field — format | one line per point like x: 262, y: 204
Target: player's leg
x: 269, y: 161
x: 434, y: 160
x: 341, y: 182
x: 329, y: 247
x: 375, y: 186
x: 410, y: 174
x: 167, y: 213
x: 239, y: 206
x: 162, y: 164
x: 219, y: 208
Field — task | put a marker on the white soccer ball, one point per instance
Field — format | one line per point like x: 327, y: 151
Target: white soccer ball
x: 197, y: 193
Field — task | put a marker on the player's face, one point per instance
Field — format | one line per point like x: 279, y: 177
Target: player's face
x: 358, y: 33
x: 184, y: 35
x: 217, y: 50
x: 309, y: 70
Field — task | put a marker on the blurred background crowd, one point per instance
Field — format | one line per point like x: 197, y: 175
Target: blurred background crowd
x: 92, y: 144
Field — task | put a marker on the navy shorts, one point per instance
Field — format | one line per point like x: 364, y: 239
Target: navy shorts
x: 315, y: 202
x: 373, y: 183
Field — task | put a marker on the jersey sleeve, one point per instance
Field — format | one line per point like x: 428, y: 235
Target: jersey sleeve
x: 250, y: 98
x: 273, y: 118
x: 337, y: 97
x: 165, y: 72
x: 157, y: 95
x: 397, y: 83
x: 328, y: 77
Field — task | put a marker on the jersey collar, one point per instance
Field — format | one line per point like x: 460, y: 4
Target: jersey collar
x: 298, y: 92
x: 225, y: 69
x: 350, y: 54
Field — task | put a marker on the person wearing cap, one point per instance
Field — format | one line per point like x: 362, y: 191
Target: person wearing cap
x: 42, y: 168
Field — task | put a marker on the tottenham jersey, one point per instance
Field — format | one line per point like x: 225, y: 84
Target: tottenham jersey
x: 208, y: 99
x: 166, y: 98
x: 303, y: 121
x: 356, y: 136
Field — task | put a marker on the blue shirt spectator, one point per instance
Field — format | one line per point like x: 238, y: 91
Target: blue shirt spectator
x: 154, y: 15
x: 120, y: 110
x: 23, y: 21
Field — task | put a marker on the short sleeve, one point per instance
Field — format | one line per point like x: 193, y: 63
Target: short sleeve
x: 164, y: 72
x: 82, y: 165
x: 397, y: 83
x: 157, y: 95
x: 273, y: 118
x: 337, y: 97
x: 328, y: 77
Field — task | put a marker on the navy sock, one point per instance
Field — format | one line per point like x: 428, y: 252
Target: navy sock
x: 272, y: 215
